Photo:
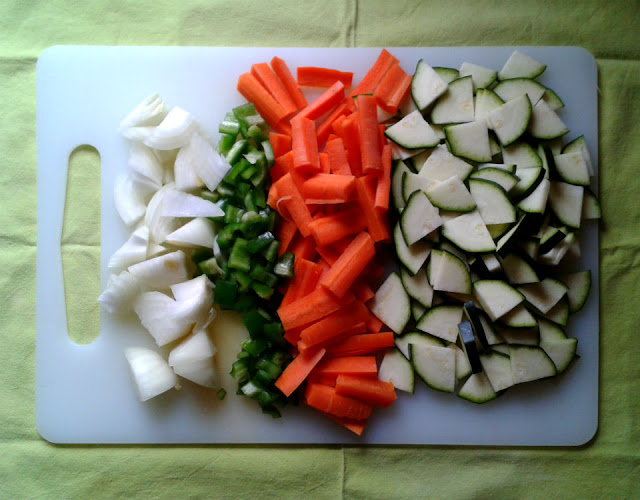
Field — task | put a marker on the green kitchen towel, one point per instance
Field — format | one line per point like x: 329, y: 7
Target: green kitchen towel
x: 607, y: 467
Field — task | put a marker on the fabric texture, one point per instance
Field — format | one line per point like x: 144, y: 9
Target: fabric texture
x: 607, y: 467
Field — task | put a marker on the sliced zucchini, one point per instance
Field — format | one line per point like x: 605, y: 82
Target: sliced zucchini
x: 400, y: 153
x: 469, y: 140
x: 521, y: 336
x: 477, y: 389
x: 418, y: 338
x: 545, y: 294
x: 492, y: 336
x: 496, y: 297
x: 500, y: 176
x: 530, y: 363
x: 472, y: 313
x: 493, y: 205
x: 412, y: 257
x: 518, y: 269
x: 451, y: 195
x: 520, y: 65
x: 447, y: 74
x: 552, y: 99
x: 451, y: 274
x: 561, y: 352
x: 481, y: 77
x: 418, y: 287
x: 536, y: 201
x: 579, y: 285
x: 545, y: 123
x: 579, y: 144
x: 550, y: 238
x: 413, y: 182
x: 557, y: 253
x: 566, y: 202
x: 412, y: 132
x: 469, y: 233
x: 436, y: 366
x: 396, y: 368
x: 511, y: 168
x: 419, y: 218
x: 590, y: 206
x: 519, y: 317
x: 417, y: 161
x: 491, y: 262
x: 417, y: 310
x: 511, y: 238
x: 426, y: 85
x: 498, y: 230
x: 399, y: 169
x: 559, y: 313
x: 391, y: 304
x: 572, y: 168
x: 510, y: 120
x: 441, y: 165
x: 530, y: 179
x: 497, y: 368
x: 469, y: 346
x: 522, y: 155
x: 513, y: 88
x: 486, y: 101
x: 456, y: 104
x: 441, y: 321
x: 463, y: 367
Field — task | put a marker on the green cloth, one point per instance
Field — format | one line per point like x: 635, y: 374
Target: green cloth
x: 607, y: 467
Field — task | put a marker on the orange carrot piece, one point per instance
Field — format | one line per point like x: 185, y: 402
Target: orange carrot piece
x: 335, y: 324
x: 314, y: 378
x: 304, y: 248
x: 372, y: 391
x: 306, y: 275
x: 274, y: 86
x: 368, y: 134
x: 329, y: 254
x: 323, y: 130
x: 280, y: 143
x: 338, y: 162
x: 384, y: 182
x: 329, y: 229
x: 376, y: 219
x: 349, y: 265
x: 304, y: 144
x: 272, y: 196
x: 312, y: 76
x: 370, y: 81
x: 351, y: 365
x: 325, y: 166
x: 292, y: 335
x: 281, y: 69
x: 392, y: 88
x: 358, y: 328
x: 362, y: 290
x: 253, y: 91
x: 328, y: 188
x: 296, y: 371
x: 281, y: 166
x: 382, y: 139
x: 325, y: 399
x: 286, y: 232
x: 295, y: 205
x: 374, y: 325
x: 355, y: 426
x: 310, y: 308
x: 347, y: 130
x: 325, y: 102
x: 357, y: 345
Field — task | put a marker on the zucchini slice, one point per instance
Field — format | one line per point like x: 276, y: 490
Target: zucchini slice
x: 486, y: 101
x: 469, y: 140
x: 391, y: 304
x: 477, y: 389
x: 497, y: 367
x: 505, y: 179
x: 579, y: 144
x: 399, y: 169
x: 463, y: 367
x: 519, y: 317
x: 530, y: 363
x: 419, y: 218
x: 480, y: 76
x: 545, y: 123
x: 456, y: 104
x: 513, y: 88
x: 396, y: 368
x: 492, y: 201
x: 579, y: 285
x: 510, y: 120
x: 469, y: 233
x: 412, y: 257
x: 447, y: 74
x: 520, y: 65
x: 451, y: 195
x: 441, y: 321
x: 441, y: 165
x: 561, y: 352
x: 518, y: 269
x: 572, y: 168
x: 436, y: 366
x: 496, y: 297
x: 418, y: 287
x: 419, y: 338
x: 426, y: 85
x: 545, y: 294
x: 522, y: 155
x: 566, y: 202
x: 412, y: 132
x: 450, y: 274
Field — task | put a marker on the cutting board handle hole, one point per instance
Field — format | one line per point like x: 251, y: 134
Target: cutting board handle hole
x: 80, y: 245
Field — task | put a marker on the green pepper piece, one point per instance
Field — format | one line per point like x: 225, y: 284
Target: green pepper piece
x: 272, y: 370
x: 225, y: 292
x: 226, y: 143
x: 274, y: 333
x: 284, y: 265
x: 229, y: 125
x: 262, y: 274
x: 254, y: 346
x: 260, y: 242
x: 239, y: 258
x: 236, y: 151
x: 254, y: 322
x: 210, y: 266
x: 271, y: 253
x: 240, y: 370
x: 262, y: 290
x: 268, y: 153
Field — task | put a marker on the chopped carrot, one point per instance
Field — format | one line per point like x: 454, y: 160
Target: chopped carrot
x: 374, y: 325
x: 280, y: 167
x: 324, y: 103
x: 335, y: 324
x: 280, y: 143
x: 329, y: 229
x: 281, y: 69
x: 293, y: 335
x: 324, y: 398
x: 376, y: 219
x: 304, y: 248
x: 356, y: 329
x: 274, y: 86
x: 306, y: 275
x: 325, y: 166
x: 315, y: 378
x: 312, y: 76
x: 347, y: 130
x: 286, y: 232
x: 253, y: 91
x: 384, y: 182
x: 392, y: 88
x: 304, y: 144
x: 323, y: 130
x: 372, y: 391
x: 366, y: 343
x: 328, y: 188
x: 310, y: 308
x: 337, y: 154
x: 368, y: 135
x: 382, y: 139
x: 296, y: 371
x: 295, y: 205
x: 370, y: 81
x: 352, y: 365
x: 362, y: 290
x: 355, y: 426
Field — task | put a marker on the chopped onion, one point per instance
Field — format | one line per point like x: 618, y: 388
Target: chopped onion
x: 184, y: 174
x: 175, y: 131
x: 195, y: 347
x: 145, y: 167
x: 133, y: 251
x: 137, y: 134
x: 202, y: 161
x: 155, y: 249
x: 149, y: 112
x: 119, y: 295
x: 151, y: 373
x: 160, y: 226
x: 130, y: 199
x: 200, y: 371
x: 180, y: 204
x: 167, y: 158
x: 196, y: 233
x: 163, y: 271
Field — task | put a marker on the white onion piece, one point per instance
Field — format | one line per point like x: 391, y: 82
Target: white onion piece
x: 133, y: 251
x: 167, y: 158
x: 154, y: 250
x: 160, y: 226
x: 196, y: 233
x: 145, y: 167
x: 150, y: 112
x: 175, y: 131
x: 186, y: 290
x: 130, y: 199
x: 203, y: 161
x: 137, y: 134
x: 180, y: 204
x: 119, y: 295
x: 151, y: 373
x: 195, y: 347
x: 163, y: 271
x: 200, y: 371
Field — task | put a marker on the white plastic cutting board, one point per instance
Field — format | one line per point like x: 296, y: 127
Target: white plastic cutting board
x: 84, y: 394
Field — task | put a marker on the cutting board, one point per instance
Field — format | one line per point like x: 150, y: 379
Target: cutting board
x: 84, y: 393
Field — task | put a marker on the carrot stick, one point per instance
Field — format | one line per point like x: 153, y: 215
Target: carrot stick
x: 362, y: 290
x: 295, y: 205
x: 323, y: 130
x: 355, y: 426
x: 328, y: 188
x: 368, y: 134
x: 280, y: 143
x: 311, y: 76
x: 374, y: 325
x: 368, y: 84
x: 372, y: 391
x: 286, y: 232
x: 392, y: 88
x: 349, y: 265
x: 296, y: 371
x: 306, y: 275
x: 310, y: 308
x: 274, y: 86
x: 351, y: 365
x: 253, y: 91
x: 325, y: 102
x: 325, y: 167
x: 304, y: 248
x: 304, y: 144
x: 281, y: 166
x: 338, y: 162
x: 329, y: 229
x: 376, y: 219
x: 325, y: 399
x: 358, y: 328
x: 382, y: 139
x: 366, y: 343
x: 293, y: 335
x: 347, y: 130
x: 281, y: 69
x: 335, y: 324
x: 384, y: 182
